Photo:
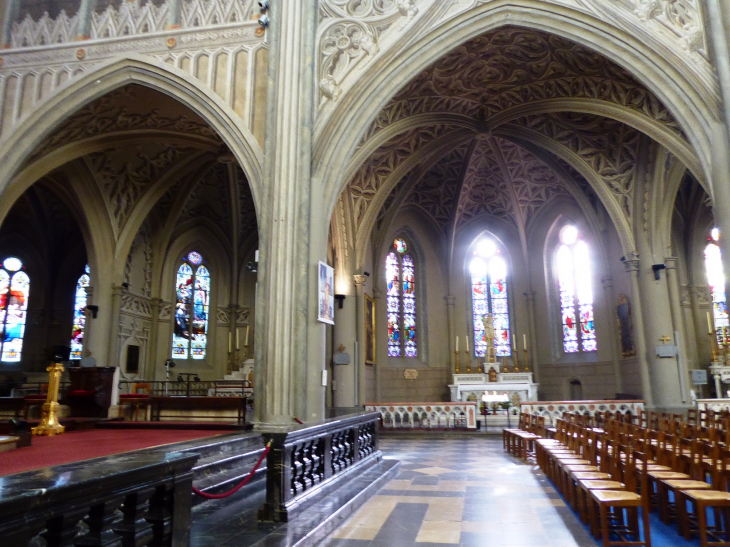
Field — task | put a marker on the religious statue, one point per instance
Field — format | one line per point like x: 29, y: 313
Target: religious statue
x: 490, y: 354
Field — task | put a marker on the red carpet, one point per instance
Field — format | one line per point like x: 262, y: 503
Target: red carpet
x: 94, y: 443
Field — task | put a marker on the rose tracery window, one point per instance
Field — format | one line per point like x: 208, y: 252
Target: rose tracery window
x: 14, y: 291
x: 80, y: 300
x: 400, y: 274
x: 192, y: 292
x: 489, y: 295
x: 716, y: 281
x: 573, y: 263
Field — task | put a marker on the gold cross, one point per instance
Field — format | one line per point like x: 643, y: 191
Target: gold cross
x: 665, y: 339
x: 341, y: 348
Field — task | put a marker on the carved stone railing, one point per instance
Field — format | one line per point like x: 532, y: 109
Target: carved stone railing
x: 555, y: 409
x: 426, y: 415
x: 128, y: 499
x: 309, y: 460
x: 717, y: 405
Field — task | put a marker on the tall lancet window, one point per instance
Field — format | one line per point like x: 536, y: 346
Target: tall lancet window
x: 716, y: 280
x: 77, y: 334
x: 489, y: 295
x: 400, y: 274
x: 576, y: 292
x: 192, y: 292
x: 14, y: 291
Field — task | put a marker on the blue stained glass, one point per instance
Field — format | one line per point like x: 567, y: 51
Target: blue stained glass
x: 14, y: 293
x: 409, y: 306
x: 576, y: 296
x: 716, y: 281
x: 392, y: 276
x: 401, y: 302
x: 192, y: 306
x: 79, y: 321
x: 489, y: 293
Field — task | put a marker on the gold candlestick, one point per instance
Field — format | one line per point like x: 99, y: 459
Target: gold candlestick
x: 457, y: 360
x: 229, y: 365
x: 527, y: 362
x: 517, y: 361
x: 468, y: 361
x: 49, y: 425
x: 245, y: 352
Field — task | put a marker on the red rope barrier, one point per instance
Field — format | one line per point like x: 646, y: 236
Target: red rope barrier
x: 297, y: 420
x: 239, y: 485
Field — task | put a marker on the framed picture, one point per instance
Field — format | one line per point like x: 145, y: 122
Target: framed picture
x: 625, y: 326
x: 326, y: 310
x: 369, y: 330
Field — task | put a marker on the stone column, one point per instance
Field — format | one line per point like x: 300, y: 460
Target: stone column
x: 343, y: 340
x: 83, y: 31
x: 532, y: 335
x: 450, y: 301
x: 289, y: 341
x: 672, y: 277
x: 360, y: 337
x: 9, y: 16
x: 632, y: 268
x: 607, y: 283
x: 152, y: 343
x: 112, y: 347
x: 717, y: 28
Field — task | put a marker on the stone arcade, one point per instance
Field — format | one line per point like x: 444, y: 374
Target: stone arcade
x: 563, y: 165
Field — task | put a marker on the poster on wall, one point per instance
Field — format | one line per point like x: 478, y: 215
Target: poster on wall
x: 369, y: 330
x: 326, y: 311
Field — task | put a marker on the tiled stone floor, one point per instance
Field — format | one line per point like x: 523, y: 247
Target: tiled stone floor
x: 461, y: 491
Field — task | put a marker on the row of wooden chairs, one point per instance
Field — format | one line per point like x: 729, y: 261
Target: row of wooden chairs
x: 609, y: 474
x: 520, y: 441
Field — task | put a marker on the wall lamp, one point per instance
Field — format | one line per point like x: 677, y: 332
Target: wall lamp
x: 340, y: 300
x: 657, y: 269
x: 93, y: 309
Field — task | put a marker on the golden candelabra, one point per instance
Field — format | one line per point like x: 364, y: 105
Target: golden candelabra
x: 713, y: 345
x: 468, y: 361
x: 517, y: 360
x: 245, y: 352
x: 49, y: 425
x: 527, y: 362
x: 456, y: 352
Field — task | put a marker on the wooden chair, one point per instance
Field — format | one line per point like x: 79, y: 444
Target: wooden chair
x: 138, y: 398
x: 700, y: 501
x: 612, y: 505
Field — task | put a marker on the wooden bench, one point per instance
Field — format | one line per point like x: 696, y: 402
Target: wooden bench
x: 160, y: 403
x: 14, y: 404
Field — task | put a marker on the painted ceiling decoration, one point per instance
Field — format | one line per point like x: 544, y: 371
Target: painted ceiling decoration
x: 505, y: 123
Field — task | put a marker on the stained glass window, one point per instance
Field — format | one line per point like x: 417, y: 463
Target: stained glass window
x: 716, y: 280
x: 77, y: 334
x: 401, y: 301
x: 576, y: 292
x: 192, y: 295
x: 14, y: 290
x: 489, y: 294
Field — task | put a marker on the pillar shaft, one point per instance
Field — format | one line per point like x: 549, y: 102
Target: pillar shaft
x: 289, y: 341
x: 532, y: 335
x: 607, y: 283
x: 450, y: 301
x: 343, y: 339
x: 632, y: 268
x: 679, y: 335
x: 359, y: 336
x: 9, y: 17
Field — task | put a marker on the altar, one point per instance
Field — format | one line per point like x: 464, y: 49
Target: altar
x: 470, y: 387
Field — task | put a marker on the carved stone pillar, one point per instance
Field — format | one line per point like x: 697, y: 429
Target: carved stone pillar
x: 718, y: 29
x: 450, y: 301
x: 359, y: 336
x: 154, y: 333
x: 112, y: 355
x: 607, y: 283
x: 532, y: 335
x: 289, y: 341
x: 344, y: 340
x: 679, y: 326
x: 632, y: 268
x: 9, y: 17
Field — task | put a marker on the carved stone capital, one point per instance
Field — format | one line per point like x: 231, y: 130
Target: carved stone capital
x: 632, y: 264
x: 450, y: 300
x: 670, y: 262
x: 359, y: 279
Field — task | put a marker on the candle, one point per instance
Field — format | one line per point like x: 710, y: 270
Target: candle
x: 709, y: 324
x: 467, y: 343
x: 238, y: 343
x: 524, y: 341
x: 457, y: 343
x: 246, y: 342
x: 229, y: 342
x: 514, y: 342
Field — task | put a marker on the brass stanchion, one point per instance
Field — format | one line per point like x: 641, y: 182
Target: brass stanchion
x: 49, y: 418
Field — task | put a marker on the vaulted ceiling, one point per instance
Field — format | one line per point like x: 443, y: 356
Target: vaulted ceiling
x: 499, y: 127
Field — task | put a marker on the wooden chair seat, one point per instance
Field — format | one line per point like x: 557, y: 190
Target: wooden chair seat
x: 615, y: 496
x: 659, y: 475
x: 700, y: 501
x: 669, y: 510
